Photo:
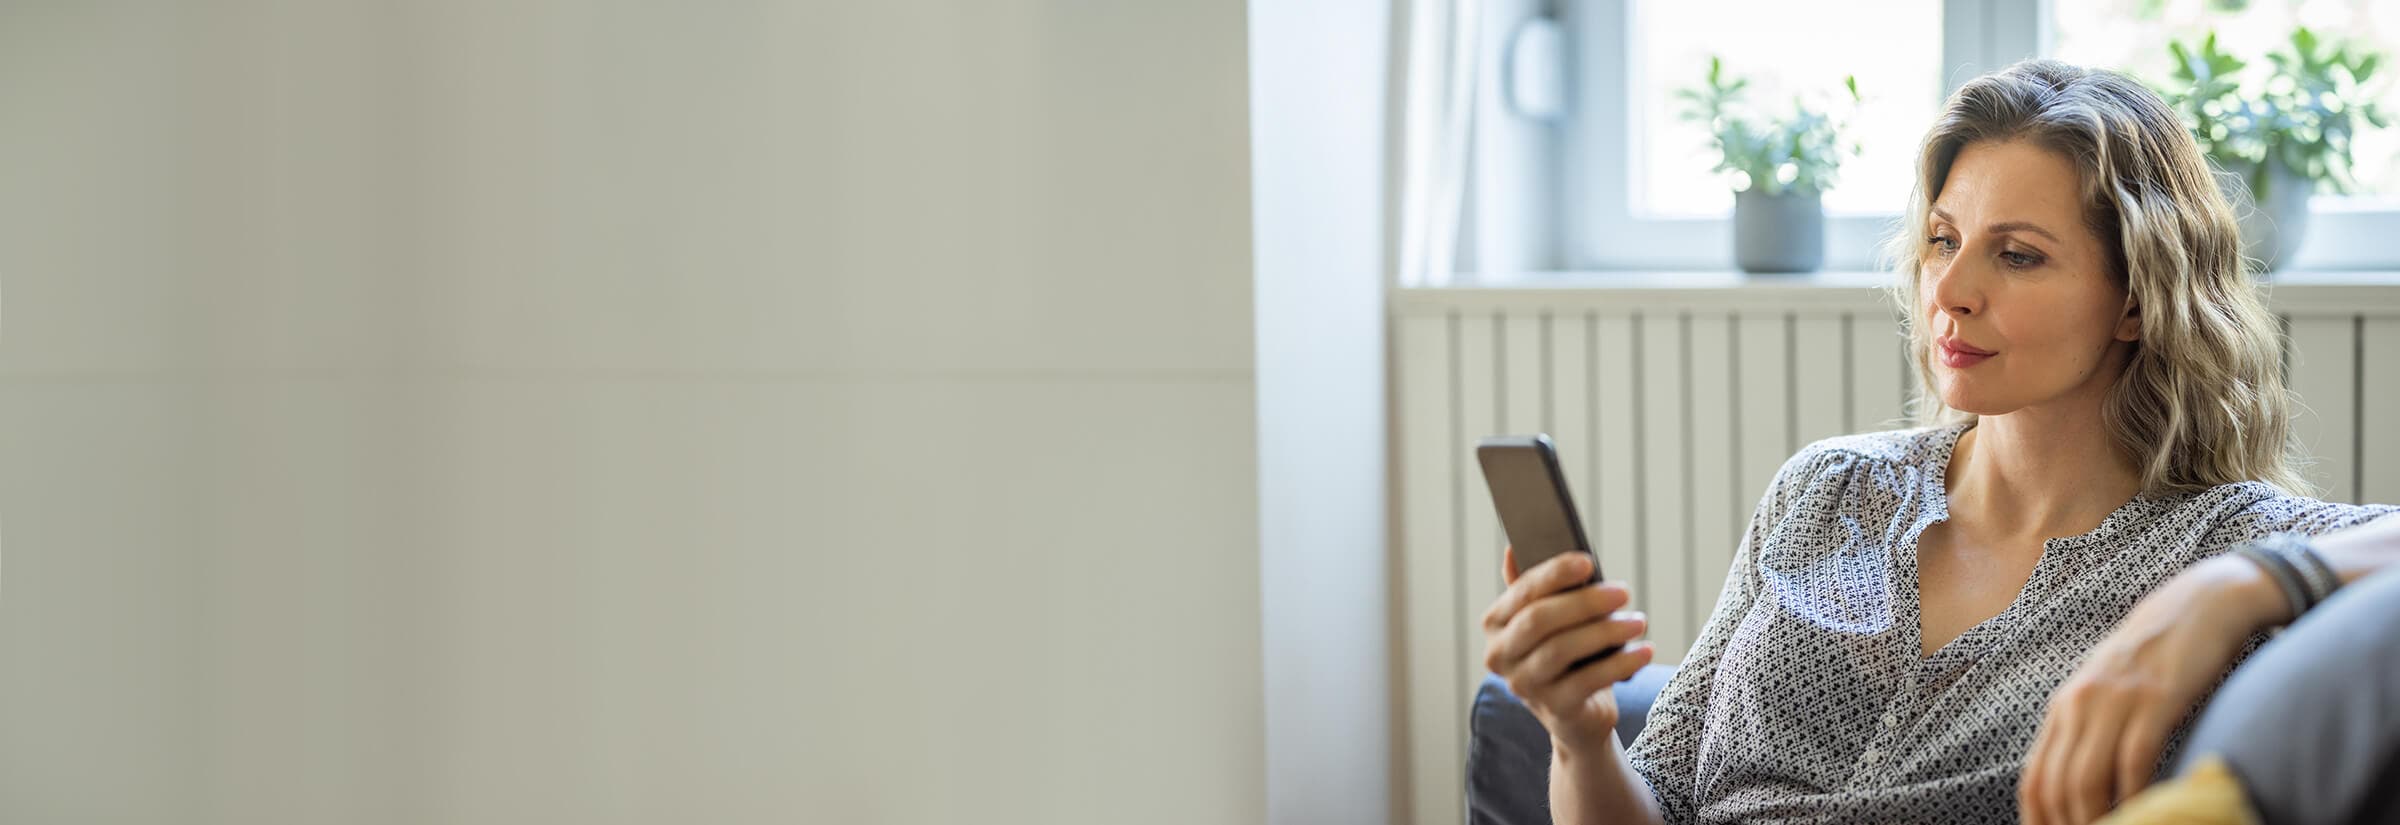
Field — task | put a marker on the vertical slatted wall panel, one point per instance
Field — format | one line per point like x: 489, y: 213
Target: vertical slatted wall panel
x: 1765, y: 390
x: 1819, y: 361
x: 1617, y: 479
x: 1571, y: 419
x: 1428, y: 438
x: 2378, y: 408
x: 1717, y: 511
x: 2322, y: 371
x: 1878, y: 393
x: 1660, y: 581
x: 1524, y: 408
x: 1479, y: 415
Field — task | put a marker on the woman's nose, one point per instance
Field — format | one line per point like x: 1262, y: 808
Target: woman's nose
x: 1954, y: 290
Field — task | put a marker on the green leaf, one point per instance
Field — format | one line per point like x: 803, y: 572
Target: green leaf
x: 1802, y: 150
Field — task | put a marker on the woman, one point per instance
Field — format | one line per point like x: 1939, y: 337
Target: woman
x: 2014, y: 609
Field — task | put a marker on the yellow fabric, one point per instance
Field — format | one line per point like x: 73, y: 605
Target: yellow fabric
x: 2208, y: 794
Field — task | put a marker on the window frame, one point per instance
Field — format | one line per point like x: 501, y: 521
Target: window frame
x: 1592, y: 226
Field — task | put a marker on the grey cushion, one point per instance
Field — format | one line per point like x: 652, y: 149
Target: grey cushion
x: 2310, y: 721
x: 1508, y: 752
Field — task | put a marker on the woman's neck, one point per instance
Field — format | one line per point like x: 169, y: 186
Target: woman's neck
x: 2028, y: 475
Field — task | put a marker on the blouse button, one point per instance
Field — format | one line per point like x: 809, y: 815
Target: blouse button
x: 1891, y: 720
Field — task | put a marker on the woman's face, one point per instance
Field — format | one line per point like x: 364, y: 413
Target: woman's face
x: 2010, y: 269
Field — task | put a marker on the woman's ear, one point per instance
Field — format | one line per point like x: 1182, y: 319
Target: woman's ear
x: 2129, y: 328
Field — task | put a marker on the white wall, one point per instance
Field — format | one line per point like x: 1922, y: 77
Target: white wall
x: 1318, y: 97
x: 473, y: 412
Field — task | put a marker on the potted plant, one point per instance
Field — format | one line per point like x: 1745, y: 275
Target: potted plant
x: 2276, y: 135
x: 1780, y: 169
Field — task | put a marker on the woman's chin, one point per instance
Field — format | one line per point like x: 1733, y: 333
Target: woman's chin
x: 1968, y: 402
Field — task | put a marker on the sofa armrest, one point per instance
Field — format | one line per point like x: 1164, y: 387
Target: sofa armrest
x: 2310, y: 724
x: 1508, y: 752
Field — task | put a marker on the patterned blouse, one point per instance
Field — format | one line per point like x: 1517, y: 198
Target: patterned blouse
x: 1806, y: 698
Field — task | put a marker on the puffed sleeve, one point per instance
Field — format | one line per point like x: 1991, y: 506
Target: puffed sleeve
x: 1666, y: 754
x: 2290, y: 514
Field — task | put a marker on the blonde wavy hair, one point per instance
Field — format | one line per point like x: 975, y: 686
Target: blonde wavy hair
x: 2202, y: 402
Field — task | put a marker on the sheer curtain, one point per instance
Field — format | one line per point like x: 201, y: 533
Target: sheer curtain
x: 1436, y: 136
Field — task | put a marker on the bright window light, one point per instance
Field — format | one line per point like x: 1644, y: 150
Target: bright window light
x: 1894, y: 47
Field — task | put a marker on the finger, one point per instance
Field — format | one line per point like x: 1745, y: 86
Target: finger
x: 2137, y: 756
x: 1559, y: 611
x: 1532, y: 584
x: 1581, y: 683
x: 1551, y: 659
x: 1508, y: 564
x: 1511, y: 599
x: 1548, y: 616
x: 2057, y: 782
x: 2029, y: 781
x: 2069, y: 783
x: 1545, y: 578
x: 2033, y: 787
x: 2092, y: 775
x: 1526, y: 631
x: 2044, y: 799
x: 1565, y: 570
x: 1578, y: 686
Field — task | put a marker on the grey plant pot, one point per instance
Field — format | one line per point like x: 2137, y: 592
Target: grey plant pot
x: 2271, y: 231
x: 1778, y: 233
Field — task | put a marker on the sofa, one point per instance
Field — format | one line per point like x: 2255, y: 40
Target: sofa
x: 2310, y: 724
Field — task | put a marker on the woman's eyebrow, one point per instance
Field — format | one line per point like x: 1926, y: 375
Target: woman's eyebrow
x: 2003, y: 227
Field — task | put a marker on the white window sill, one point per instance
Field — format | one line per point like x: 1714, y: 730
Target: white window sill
x: 1827, y: 279
x: 2319, y: 292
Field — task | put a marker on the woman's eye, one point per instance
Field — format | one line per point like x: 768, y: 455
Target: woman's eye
x: 1943, y: 242
x: 2020, y: 260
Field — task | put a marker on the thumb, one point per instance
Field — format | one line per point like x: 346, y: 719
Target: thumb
x: 1508, y: 565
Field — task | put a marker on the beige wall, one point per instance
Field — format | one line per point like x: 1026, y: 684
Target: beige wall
x: 499, y: 412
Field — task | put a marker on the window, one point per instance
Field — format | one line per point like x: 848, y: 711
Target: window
x: 2132, y: 35
x: 1784, y: 50
x: 1623, y: 183
x: 1637, y: 192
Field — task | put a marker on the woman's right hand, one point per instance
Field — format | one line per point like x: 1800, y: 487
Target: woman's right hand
x: 1547, y: 620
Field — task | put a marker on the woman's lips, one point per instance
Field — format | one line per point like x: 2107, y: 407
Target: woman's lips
x: 1960, y: 359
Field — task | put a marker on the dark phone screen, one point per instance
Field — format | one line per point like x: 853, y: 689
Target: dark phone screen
x: 1530, y: 494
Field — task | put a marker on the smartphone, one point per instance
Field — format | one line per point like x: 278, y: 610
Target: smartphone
x: 1529, y: 489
